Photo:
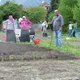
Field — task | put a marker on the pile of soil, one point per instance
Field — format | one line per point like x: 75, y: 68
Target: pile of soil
x: 12, y: 51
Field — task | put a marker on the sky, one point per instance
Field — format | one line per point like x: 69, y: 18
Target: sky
x: 27, y: 3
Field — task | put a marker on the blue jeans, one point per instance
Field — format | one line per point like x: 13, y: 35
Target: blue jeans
x: 70, y: 33
x: 58, y: 38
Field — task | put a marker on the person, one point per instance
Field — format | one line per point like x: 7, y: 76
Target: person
x: 25, y: 25
x: 74, y: 29
x: 57, y: 23
x: 19, y: 20
x: 16, y: 24
x: 10, y: 29
x: 70, y: 29
x: 44, y: 28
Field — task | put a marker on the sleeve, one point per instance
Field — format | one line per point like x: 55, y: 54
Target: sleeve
x: 29, y: 23
x: 4, y: 23
x: 46, y: 25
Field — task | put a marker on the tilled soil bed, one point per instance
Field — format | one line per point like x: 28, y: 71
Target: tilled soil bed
x: 11, y: 51
x: 27, y: 62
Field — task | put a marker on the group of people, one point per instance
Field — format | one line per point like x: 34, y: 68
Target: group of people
x: 25, y: 24
x: 10, y: 24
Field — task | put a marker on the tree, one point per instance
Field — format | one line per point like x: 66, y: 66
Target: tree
x: 76, y: 13
x: 11, y: 8
x: 54, y: 4
x: 66, y: 9
x: 35, y: 14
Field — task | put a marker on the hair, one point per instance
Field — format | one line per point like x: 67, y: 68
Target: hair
x: 56, y: 10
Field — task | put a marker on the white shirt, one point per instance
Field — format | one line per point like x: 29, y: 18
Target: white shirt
x: 70, y: 26
x: 9, y: 24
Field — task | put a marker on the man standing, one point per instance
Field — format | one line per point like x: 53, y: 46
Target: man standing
x: 57, y: 22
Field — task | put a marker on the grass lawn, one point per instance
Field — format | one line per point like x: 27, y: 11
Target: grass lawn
x: 69, y: 45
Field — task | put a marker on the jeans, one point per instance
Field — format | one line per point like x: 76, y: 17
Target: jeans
x: 70, y: 33
x: 58, y: 38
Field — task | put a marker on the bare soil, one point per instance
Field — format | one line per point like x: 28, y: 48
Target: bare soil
x: 40, y: 70
x: 26, y: 62
x: 12, y: 51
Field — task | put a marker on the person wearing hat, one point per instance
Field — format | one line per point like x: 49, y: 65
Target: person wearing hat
x: 25, y: 25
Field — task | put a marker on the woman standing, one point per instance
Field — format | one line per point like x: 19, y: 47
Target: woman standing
x: 10, y: 34
x: 25, y: 25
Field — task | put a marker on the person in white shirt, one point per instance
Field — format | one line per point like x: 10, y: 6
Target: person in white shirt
x: 44, y: 28
x: 70, y: 29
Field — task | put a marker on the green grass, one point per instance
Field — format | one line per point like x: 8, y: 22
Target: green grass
x: 67, y: 46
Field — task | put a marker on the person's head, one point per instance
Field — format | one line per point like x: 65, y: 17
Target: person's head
x: 10, y: 17
x: 70, y: 22
x: 44, y: 20
x: 24, y: 17
x: 56, y: 13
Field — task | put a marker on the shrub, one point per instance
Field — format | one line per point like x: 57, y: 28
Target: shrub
x: 11, y: 8
x: 35, y: 14
x: 66, y: 9
x: 76, y: 13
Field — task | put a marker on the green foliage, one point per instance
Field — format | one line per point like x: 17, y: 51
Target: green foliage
x: 66, y: 9
x: 54, y: 4
x: 51, y: 16
x: 76, y: 12
x: 11, y: 8
x: 69, y: 46
x: 35, y: 14
x: 1, y: 15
